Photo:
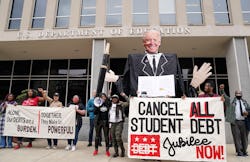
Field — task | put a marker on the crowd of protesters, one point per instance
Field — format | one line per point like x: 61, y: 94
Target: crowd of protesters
x: 109, y: 116
x: 108, y: 119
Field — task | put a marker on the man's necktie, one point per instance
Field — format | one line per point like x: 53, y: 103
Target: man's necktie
x: 154, y: 65
x: 241, y: 111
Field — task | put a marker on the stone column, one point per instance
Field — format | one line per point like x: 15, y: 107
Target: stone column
x: 98, y: 47
x: 238, y: 67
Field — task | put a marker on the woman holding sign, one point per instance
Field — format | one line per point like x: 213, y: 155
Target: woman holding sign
x: 9, y: 99
x: 32, y: 99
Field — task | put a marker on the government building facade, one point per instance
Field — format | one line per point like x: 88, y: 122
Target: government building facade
x: 58, y: 44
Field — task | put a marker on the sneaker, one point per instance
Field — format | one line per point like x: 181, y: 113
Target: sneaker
x: 73, y: 148
x: 29, y: 145
x: 17, y: 147
x: 90, y: 144
x: 48, y: 147
x: 123, y: 154
x: 54, y: 147
x: 68, y: 147
x: 100, y: 144
x: 115, y: 155
x: 95, y: 152
x: 108, y: 153
x: 240, y: 154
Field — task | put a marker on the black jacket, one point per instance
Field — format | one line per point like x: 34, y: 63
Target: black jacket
x: 138, y: 65
x: 102, y: 112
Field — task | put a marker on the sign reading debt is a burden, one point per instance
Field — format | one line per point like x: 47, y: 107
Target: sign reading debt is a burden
x: 190, y: 129
x: 40, y: 122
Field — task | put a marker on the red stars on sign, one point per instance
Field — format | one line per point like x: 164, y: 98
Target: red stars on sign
x: 145, y: 145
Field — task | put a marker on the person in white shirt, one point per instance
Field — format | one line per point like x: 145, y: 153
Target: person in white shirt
x: 116, y: 119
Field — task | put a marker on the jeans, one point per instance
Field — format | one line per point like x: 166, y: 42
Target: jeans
x: 50, y: 142
x: 78, y: 127
x: 3, y: 141
x: 91, y: 129
x: 102, y: 125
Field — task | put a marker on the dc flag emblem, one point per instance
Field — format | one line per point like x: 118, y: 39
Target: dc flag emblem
x: 145, y: 145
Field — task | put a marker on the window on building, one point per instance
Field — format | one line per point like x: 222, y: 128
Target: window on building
x: 221, y: 66
x: 245, y: 7
x: 140, y: 12
x: 39, y: 14
x: 88, y: 13
x: 118, y: 65
x: 194, y: 12
x: 18, y: 85
x: 63, y: 13
x: 77, y: 87
x: 221, y: 12
x: 40, y: 67
x: 114, y: 12
x: 22, y: 68
x: 5, y: 67
x: 167, y: 12
x: 59, y: 68
x: 16, y: 14
x: 78, y: 68
x: 59, y: 86
x: 4, y: 89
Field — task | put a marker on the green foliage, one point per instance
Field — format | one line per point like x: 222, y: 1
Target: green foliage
x: 20, y: 98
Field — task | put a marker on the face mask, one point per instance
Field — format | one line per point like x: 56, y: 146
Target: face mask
x: 238, y: 97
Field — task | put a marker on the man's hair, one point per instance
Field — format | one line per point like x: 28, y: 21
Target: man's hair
x: 152, y: 30
x: 211, y: 82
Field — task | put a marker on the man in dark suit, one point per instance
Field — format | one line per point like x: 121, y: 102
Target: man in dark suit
x: 153, y: 63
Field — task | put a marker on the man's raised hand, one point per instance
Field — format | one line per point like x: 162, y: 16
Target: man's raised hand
x: 111, y: 77
x: 199, y: 76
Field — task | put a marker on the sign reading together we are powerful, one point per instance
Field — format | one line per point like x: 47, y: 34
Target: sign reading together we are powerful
x: 190, y: 129
x: 40, y: 122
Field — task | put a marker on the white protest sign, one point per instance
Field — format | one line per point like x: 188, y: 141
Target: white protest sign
x: 40, y: 122
x: 156, y: 86
x: 190, y: 129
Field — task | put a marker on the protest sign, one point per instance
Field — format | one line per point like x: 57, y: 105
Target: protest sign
x: 190, y: 129
x: 40, y: 122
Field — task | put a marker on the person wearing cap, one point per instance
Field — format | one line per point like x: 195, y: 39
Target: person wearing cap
x: 116, y: 118
x: 53, y: 102
x: 236, y: 113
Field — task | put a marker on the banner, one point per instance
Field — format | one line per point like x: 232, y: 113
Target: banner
x: 40, y: 122
x: 191, y: 129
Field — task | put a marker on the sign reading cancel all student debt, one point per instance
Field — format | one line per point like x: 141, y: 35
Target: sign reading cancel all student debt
x: 190, y: 129
x: 40, y: 122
